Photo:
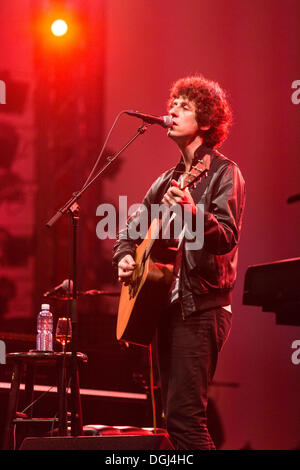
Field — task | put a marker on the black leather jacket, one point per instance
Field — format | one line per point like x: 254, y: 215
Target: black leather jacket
x: 208, y: 274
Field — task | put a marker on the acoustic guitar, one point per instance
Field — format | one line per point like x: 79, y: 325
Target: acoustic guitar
x: 144, y: 298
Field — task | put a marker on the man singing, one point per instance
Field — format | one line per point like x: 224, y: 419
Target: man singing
x: 197, y: 319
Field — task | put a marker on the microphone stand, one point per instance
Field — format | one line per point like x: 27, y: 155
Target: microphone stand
x: 72, y: 208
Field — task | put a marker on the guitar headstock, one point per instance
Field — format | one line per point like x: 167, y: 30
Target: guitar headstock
x: 195, y: 173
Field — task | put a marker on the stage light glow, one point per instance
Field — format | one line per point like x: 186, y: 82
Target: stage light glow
x: 59, y: 27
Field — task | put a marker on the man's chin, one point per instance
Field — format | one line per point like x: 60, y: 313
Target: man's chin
x: 172, y: 134
x: 179, y: 140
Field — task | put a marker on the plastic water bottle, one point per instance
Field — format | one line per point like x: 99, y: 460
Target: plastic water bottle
x: 44, y: 339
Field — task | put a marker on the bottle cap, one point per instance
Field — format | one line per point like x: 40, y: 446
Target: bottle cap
x: 45, y: 307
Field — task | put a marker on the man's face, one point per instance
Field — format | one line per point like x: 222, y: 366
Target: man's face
x: 183, y: 113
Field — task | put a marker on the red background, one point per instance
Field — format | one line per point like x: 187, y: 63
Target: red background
x: 125, y: 55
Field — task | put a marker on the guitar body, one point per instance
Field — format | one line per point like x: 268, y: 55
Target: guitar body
x: 142, y: 301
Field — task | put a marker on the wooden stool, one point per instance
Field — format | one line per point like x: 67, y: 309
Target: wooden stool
x: 27, y: 362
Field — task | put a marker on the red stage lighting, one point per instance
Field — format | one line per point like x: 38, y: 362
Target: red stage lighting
x: 59, y: 27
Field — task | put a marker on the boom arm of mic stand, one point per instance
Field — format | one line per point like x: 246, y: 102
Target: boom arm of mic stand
x: 77, y: 195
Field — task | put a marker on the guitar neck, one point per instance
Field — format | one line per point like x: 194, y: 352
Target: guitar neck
x: 160, y: 223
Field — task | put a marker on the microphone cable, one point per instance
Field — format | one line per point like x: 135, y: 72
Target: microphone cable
x: 103, y: 148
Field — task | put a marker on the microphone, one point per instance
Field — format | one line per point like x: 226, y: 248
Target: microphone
x: 65, y: 287
x: 164, y: 121
x: 294, y: 198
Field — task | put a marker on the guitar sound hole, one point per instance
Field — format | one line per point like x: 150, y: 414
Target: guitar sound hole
x: 135, y: 283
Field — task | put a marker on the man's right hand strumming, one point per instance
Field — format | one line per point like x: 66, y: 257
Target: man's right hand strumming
x: 126, y: 267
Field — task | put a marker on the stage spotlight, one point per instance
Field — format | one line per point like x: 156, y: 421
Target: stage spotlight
x: 59, y: 27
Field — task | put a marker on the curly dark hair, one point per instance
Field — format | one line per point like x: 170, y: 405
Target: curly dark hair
x: 212, y: 108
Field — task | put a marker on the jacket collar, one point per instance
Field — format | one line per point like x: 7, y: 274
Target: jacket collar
x: 200, y: 152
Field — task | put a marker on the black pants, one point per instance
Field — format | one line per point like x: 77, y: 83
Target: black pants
x: 187, y: 353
